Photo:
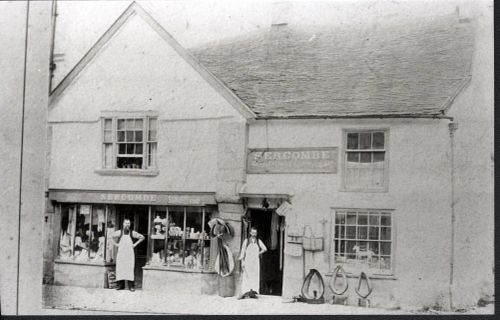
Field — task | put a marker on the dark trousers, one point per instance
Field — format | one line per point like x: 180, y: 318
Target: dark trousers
x: 121, y: 284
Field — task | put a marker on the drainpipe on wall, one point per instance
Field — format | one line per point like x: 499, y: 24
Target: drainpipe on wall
x: 52, y: 44
x: 453, y: 126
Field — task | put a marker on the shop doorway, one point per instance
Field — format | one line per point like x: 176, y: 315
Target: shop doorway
x: 138, y: 216
x: 268, y: 225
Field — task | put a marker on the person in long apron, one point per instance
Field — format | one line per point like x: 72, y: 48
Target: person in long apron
x: 125, y: 258
x: 251, y: 249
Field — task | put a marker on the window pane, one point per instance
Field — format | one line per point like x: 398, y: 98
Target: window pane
x: 152, y: 135
x: 385, y: 262
x: 340, y: 217
x: 351, y: 232
x: 152, y: 155
x: 138, y: 124
x: 352, y: 141
x: 385, y: 220
x: 67, y: 229
x: 373, y: 246
x: 121, y: 136
x: 362, y: 232
x: 122, y: 147
x: 129, y: 162
x: 108, y: 136
x: 108, y: 156
x: 378, y: 156
x: 152, y: 123
x: 130, y: 148
x: 373, y: 235
x: 138, y: 136
x: 362, y: 219
x: 82, y: 234
x: 378, y: 140
x: 366, y: 157
x: 138, y: 148
x: 385, y: 248
x: 365, y: 140
x: 121, y: 124
x: 129, y: 124
x: 97, y: 233
x: 130, y: 136
x: 353, y: 156
x: 107, y: 124
x: 351, y: 218
x: 385, y: 233
x: 175, y: 248
x: 350, y: 246
x: 374, y: 219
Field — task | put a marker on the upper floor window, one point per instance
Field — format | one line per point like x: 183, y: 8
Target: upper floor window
x: 129, y: 142
x: 365, y: 162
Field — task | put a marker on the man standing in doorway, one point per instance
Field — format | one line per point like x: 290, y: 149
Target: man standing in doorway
x: 251, y: 249
x: 125, y: 258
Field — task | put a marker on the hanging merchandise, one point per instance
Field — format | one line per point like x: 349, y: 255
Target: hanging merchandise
x: 311, y: 243
x: 284, y: 208
x: 317, y: 296
x: 224, y: 261
x: 339, y: 272
x: 293, y: 249
x: 363, y: 276
x: 274, y: 230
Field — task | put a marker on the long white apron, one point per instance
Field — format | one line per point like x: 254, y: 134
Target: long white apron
x: 251, y: 274
x: 125, y: 259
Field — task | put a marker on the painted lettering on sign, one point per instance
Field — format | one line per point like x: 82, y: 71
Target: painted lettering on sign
x: 128, y: 197
x: 306, y: 160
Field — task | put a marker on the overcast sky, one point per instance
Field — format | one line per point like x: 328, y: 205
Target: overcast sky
x: 192, y: 23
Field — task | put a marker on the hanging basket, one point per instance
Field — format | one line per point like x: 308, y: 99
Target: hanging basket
x: 311, y: 243
x: 294, y: 235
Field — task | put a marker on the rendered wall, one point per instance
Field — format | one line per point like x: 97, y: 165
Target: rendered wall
x: 473, y: 111
x: 419, y: 192
x: 136, y: 71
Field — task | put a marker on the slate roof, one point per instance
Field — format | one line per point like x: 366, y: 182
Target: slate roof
x: 411, y: 69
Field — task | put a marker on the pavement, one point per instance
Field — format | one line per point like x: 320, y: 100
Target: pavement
x: 64, y: 300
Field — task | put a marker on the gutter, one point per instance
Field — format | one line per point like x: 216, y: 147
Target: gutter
x: 452, y: 126
x: 360, y: 116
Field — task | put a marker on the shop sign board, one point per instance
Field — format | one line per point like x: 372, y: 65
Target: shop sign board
x: 292, y: 160
x: 130, y: 197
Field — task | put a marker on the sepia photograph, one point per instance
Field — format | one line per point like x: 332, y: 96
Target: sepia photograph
x: 255, y: 157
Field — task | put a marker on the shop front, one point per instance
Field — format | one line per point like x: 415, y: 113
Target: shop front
x: 177, y: 246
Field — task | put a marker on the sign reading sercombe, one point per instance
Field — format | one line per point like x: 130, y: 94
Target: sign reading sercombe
x: 292, y: 160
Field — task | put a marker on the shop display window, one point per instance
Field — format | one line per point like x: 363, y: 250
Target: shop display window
x: 84, y: 232
x: 363, y: 241
x: 179, y: 237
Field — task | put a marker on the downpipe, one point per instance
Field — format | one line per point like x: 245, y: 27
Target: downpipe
x: 452, y: 127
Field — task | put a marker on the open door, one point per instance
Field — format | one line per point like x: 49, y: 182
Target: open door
x: 268, y: 225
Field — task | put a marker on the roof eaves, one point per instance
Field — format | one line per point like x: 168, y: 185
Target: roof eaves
x: 358, y: 116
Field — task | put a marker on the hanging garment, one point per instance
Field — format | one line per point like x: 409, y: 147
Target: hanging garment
x: 274, y: 230
x: 250, y: 277
x: 125, y: 259
x: 224, y: 262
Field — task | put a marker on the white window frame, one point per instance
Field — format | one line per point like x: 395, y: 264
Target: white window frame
x: 146, y: 142
x: 390, y: 273
x: 385, y: 185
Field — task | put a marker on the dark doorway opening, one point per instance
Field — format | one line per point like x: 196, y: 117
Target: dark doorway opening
x: 138, y: 216
x: 271, y: 262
